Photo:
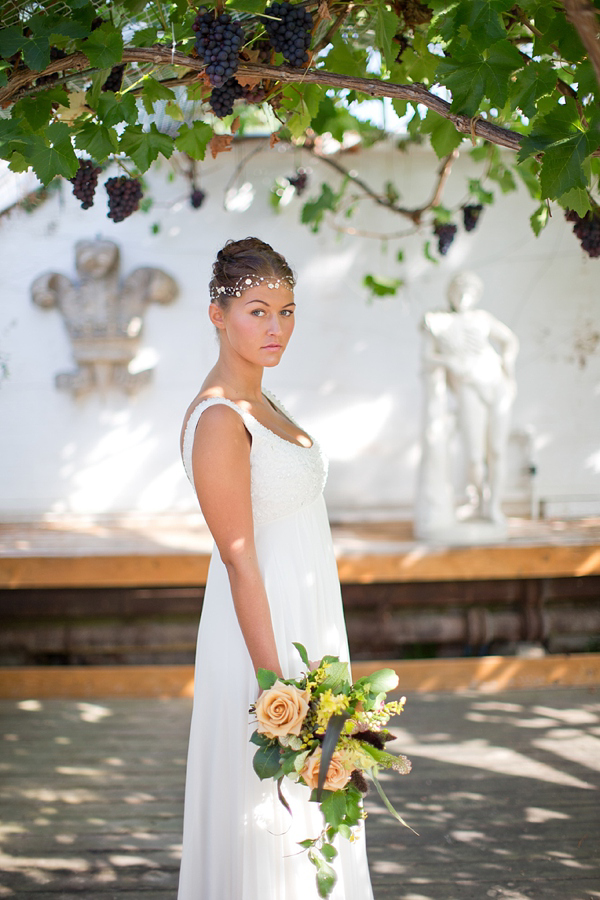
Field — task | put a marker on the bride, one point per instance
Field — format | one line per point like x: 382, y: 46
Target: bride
x: 272, y: 580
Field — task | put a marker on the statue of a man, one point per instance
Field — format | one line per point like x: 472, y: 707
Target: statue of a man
x: 471, y: 353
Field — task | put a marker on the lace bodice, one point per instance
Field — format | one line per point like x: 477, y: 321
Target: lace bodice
x: 284, y: 476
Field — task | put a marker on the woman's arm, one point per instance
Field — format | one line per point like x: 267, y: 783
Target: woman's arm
x: 221, y: 466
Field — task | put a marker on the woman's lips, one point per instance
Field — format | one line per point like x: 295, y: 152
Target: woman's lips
x: 272, y: 347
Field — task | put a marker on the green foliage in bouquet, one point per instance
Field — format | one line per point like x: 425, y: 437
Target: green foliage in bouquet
x: 327, y: 733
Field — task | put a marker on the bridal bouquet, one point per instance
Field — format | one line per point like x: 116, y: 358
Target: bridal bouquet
x: 327, y: 733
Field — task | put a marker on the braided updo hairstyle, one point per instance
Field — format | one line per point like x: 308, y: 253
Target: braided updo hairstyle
x: 249, y: 256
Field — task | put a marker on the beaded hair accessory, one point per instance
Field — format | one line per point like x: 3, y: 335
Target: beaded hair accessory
x: 247, y: 281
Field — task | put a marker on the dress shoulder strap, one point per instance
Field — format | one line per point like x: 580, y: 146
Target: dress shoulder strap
x: 192, y: 423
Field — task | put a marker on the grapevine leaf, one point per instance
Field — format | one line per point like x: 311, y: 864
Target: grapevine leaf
x: 36, y: 52
x: 443, y: 135
x: 314, y: 210
x: 562, y: 164
x: 539, y: 219
x: 345, y: 58
x: 18, y: 163
x: 153, y: 90
x: 535, y: 81
x: 482, y: 19
x: 57, y: 159
x: 104, y: 46
x: 95, y: 92
x: 98, y: 140
x: 386, y: 25
x: 145, y: 37
x: 144, y: 146
x: 193, y: 139
x: 249, y: 6
x: 37, y: 110
x: 381, y: 286
x: 477, y: 191
x: 576, y: 199
x: 471, y: 75
x: 11, y: 40
x: 112, y: 109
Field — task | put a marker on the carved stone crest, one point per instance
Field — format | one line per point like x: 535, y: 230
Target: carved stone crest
x: 103, y: 315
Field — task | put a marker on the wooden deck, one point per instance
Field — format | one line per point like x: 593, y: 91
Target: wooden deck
x: 176, y: 553
x: 504, y: 795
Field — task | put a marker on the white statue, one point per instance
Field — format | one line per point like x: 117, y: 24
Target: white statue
x: 469, y: 353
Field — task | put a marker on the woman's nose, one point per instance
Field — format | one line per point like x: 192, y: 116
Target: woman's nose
x: 274, y: 325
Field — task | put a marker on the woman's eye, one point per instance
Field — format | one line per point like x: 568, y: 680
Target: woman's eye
x: 287, y: 312
x: 257, y: 312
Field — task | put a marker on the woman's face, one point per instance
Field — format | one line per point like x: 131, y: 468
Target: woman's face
x: 258, y: 324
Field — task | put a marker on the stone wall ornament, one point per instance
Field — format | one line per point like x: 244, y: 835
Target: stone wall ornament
x: 103, y: 316
x: 468, y: 356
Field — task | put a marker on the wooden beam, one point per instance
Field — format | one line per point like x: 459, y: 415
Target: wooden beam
x: 423, y: 563
x: 487, y: 673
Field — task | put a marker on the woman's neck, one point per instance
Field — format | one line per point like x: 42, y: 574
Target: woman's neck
x: 242, y: 381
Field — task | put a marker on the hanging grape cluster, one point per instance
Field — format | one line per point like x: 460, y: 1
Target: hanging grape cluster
x: 445, y: 234
x: 124, y: 195
x: 299, y: 180
x: 224, y: 96
x: 218, y: 43
x: 197, y: 197
x: 289, y: 29
x: 587, y: 229
x: 114, y: 81
x: 85, y: 182
x: 471, y: 215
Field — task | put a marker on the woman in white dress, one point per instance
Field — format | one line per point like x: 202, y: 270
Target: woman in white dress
x: 272, y: 580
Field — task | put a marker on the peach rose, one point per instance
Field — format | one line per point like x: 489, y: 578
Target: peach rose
x: 337, y: 776
x: 281, y: 710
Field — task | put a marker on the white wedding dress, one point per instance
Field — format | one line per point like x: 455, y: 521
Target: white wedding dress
x: 239, y: 842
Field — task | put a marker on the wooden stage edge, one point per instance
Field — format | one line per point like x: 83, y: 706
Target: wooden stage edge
x: 487, y: 674
x: 423, y: 563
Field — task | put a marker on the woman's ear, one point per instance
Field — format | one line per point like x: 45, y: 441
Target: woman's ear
x: 215, y: 314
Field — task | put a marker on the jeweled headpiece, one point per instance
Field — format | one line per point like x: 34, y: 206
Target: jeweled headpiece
x: 247, y: 281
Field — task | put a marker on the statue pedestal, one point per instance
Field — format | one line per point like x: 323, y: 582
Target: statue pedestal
x: 470, y: 531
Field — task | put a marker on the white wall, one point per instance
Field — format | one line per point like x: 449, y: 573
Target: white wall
x: 351, y: 373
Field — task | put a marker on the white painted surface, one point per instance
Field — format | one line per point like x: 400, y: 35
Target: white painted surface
x: 351, y: 373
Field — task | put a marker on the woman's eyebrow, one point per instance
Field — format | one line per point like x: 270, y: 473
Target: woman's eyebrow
x: 264, y: 302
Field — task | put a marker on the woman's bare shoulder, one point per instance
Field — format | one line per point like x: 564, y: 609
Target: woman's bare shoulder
x: 218, y: 420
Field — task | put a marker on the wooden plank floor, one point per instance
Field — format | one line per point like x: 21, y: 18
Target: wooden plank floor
x: 504, y: 794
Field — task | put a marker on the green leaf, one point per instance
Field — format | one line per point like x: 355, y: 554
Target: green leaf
x: 57, y: 159
x: 302, y: 652
x: 36, y: 52
x: 144, y: 146
x: 249, y: 6
x: 326, y: 879
x: 261, y: 740
x: 471, y: 75
x: 443, y: 135
x: 482, y: 19
x: 345, y: 58
x: 153, y: 90
x: 337, y: 677
x: 333, y: 807
x: 428, y: 254
x: 97, y: 140
x: 539, y: 219
x: 314, y: 210
x: 266, y: 761
x: 534, y: 81
x: 562, y: 164
x: 112, y: 109
x: 381, y: 681
x: 11, y: 40
x: 576, y: 199
x: 193, y: 139
x: 145, y: 37
x: 386, y: 25
x: 104, y: 46
x: 266, y: 679
x: 329, y: 851
x: 95, y: 92
x: 37, y: 110
x: 381, y: 286
x: 477, y: 191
